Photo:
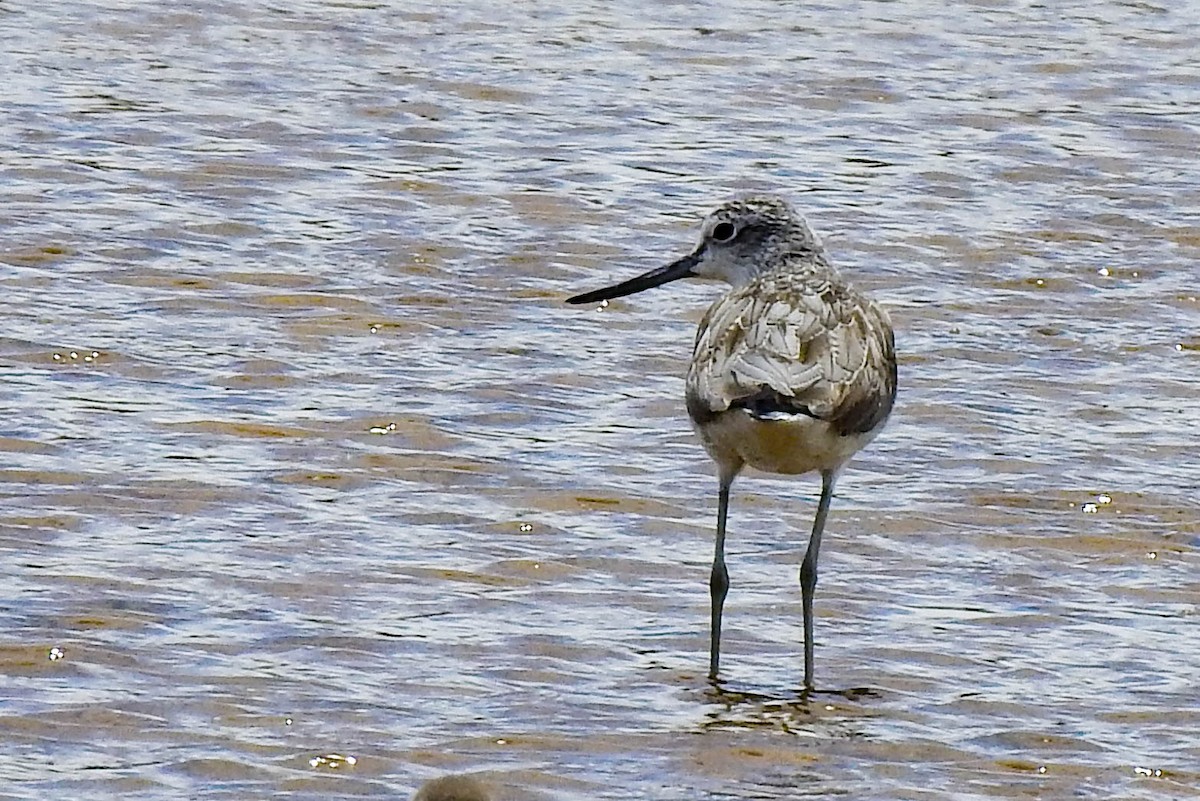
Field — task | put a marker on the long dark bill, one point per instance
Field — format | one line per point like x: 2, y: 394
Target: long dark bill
x: 673, y: 271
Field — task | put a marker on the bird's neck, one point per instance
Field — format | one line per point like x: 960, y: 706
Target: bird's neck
x: 795, y: 261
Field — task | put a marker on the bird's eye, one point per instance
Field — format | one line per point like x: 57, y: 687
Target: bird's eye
x: 724, y: 232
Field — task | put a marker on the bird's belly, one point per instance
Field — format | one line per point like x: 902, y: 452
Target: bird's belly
x: 798, y: 444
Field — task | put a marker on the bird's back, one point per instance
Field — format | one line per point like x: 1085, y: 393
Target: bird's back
x: 796, y: 346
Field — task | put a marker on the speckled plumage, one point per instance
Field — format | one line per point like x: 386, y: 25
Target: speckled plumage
x: 793, y: 370
x: 796, y: 338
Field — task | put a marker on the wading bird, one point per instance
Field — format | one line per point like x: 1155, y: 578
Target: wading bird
x: 793, y: 369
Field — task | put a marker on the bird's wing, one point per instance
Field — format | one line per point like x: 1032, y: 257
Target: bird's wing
x: 795, y: 344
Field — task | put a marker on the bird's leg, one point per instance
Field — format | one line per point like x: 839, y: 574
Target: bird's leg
x: 808, y: 572
x: 718, y: 582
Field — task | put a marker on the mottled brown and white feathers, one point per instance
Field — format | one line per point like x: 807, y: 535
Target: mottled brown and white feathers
x: 802, y: 340
x: 791, y: 345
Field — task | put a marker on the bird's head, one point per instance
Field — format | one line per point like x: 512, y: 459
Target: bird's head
x: 738, y: 241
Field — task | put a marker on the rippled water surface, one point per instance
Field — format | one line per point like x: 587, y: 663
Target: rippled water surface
x: 313, y: 487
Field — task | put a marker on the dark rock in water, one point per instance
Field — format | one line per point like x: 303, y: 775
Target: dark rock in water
x: 453, y: 788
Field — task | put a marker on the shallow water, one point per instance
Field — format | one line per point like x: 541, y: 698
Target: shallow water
x: 306, y: 459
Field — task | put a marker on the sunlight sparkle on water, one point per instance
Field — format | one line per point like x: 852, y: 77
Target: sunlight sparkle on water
x: 75, y: 356
x: 1092, y: 507
x: 332, y: 761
